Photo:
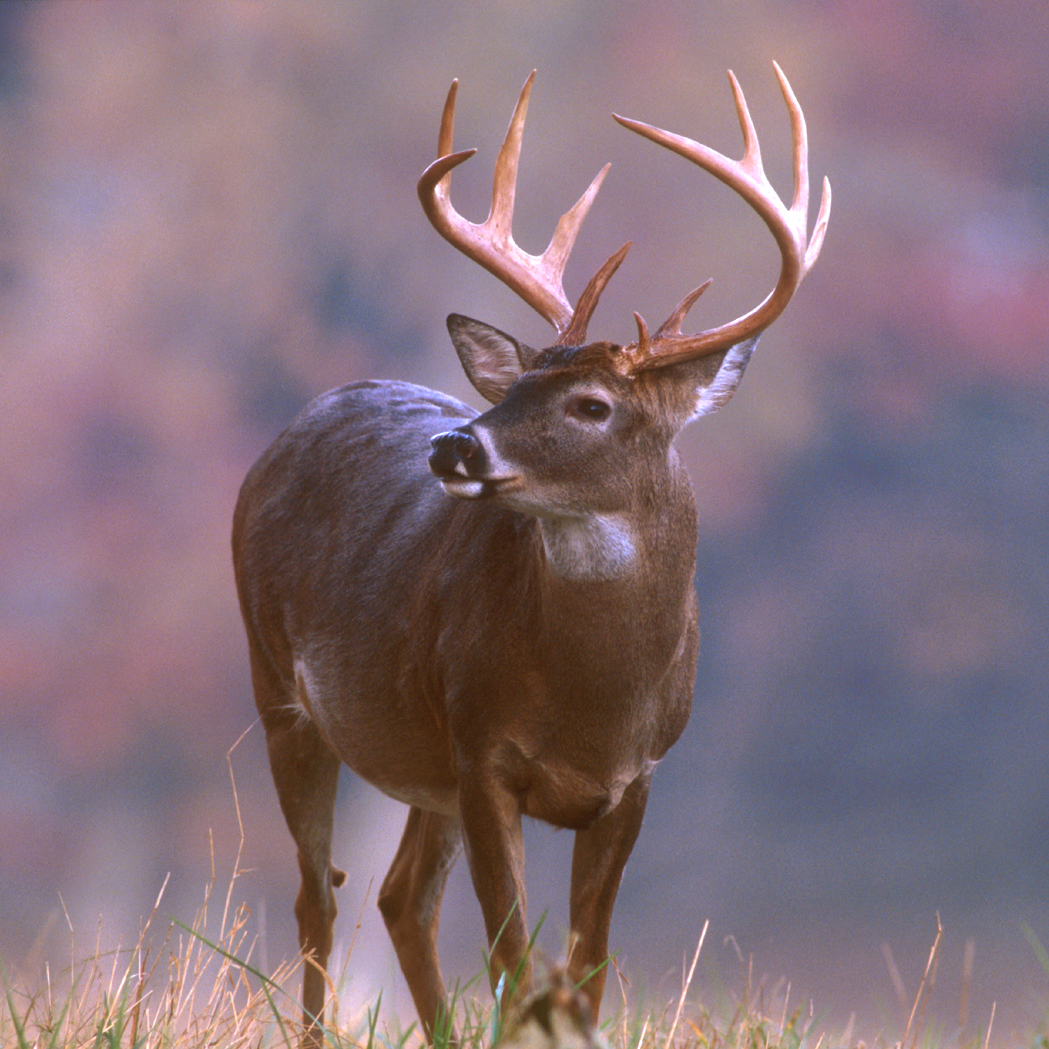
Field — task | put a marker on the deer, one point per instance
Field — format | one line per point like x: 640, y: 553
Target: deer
x: 491, y: 616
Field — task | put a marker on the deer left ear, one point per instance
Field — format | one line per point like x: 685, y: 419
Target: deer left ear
x: 492, y: 360
x: 716, y: 377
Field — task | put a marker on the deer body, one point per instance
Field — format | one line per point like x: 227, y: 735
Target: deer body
x: 439, y: 648
x: 366, y: 617
x: 492, y: 616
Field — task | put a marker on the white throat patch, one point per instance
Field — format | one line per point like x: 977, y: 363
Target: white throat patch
x: 597, y: 547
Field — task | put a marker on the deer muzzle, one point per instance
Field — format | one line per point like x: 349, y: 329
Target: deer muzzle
x: 458, y: 459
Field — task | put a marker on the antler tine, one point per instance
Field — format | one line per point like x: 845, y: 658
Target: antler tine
x: 672, y: 325
x: 644, y: 342
x: 751, y: 161
x: 812, y: 253
x: 800, y: 205
x: 569, y: 224
x: 537, y: 279
x: 788, y: 225
x: 447, y: 133
x: 799, y: 135
x: 504, y: 184
x: 575, y: 333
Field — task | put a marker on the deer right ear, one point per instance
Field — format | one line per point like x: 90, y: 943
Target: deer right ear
x: 714, y: 392
x: 712, y: 380
x: 492, y: 360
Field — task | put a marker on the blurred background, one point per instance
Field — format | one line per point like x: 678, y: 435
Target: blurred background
x: 208, y: 216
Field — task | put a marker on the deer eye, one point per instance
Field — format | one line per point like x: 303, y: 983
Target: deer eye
x: 591, y: 408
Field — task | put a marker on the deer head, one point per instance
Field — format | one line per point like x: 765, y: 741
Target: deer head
x: 594, y: 400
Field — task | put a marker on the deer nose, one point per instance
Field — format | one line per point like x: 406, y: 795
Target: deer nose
x: 455, y: 452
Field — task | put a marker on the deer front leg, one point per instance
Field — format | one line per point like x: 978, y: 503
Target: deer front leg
x: 491, y: 823
x: 598, y: 858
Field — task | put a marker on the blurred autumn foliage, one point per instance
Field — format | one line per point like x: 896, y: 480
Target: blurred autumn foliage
x: 208, y: 216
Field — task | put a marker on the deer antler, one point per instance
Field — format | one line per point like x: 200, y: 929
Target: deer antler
x: 535, y: 278
x: 788, y: 225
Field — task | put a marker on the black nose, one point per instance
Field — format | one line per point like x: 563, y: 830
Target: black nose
x: 455, y: 452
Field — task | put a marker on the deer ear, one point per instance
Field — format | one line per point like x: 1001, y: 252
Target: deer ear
x: 715, y: 378
x: 492, y: 360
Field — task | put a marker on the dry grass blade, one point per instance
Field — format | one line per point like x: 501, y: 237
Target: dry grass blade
x: 968, y: 963
x: 990, y: 1024
x: 687, y: 983
x: 917, y: 1017
x: 894, y: 975
x: 783, y: 1018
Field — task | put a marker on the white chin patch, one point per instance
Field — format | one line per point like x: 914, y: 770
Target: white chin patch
x: 463, y: 489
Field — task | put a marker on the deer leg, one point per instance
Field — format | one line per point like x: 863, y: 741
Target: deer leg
x: 306, y: 774
x: 495, y: 849
x: 598, y: 858
x: 410, y: 902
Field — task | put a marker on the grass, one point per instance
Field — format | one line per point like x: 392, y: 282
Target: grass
x: 196, y: 985
x: 198, y: 988
x: 194, y: 992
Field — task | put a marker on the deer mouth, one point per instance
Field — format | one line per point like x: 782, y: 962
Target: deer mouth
x: 464, y: 487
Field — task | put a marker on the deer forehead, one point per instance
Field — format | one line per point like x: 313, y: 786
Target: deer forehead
x: 573, y: 374
x: 604, y: 355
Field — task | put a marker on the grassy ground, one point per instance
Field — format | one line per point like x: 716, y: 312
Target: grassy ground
x: 196, y: 985
x: 193, y: 986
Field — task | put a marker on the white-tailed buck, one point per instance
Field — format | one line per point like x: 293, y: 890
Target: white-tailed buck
x: 493, y: 616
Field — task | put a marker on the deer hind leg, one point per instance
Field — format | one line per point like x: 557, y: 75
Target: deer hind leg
x: 306, y: 774
x: 410, y: 902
